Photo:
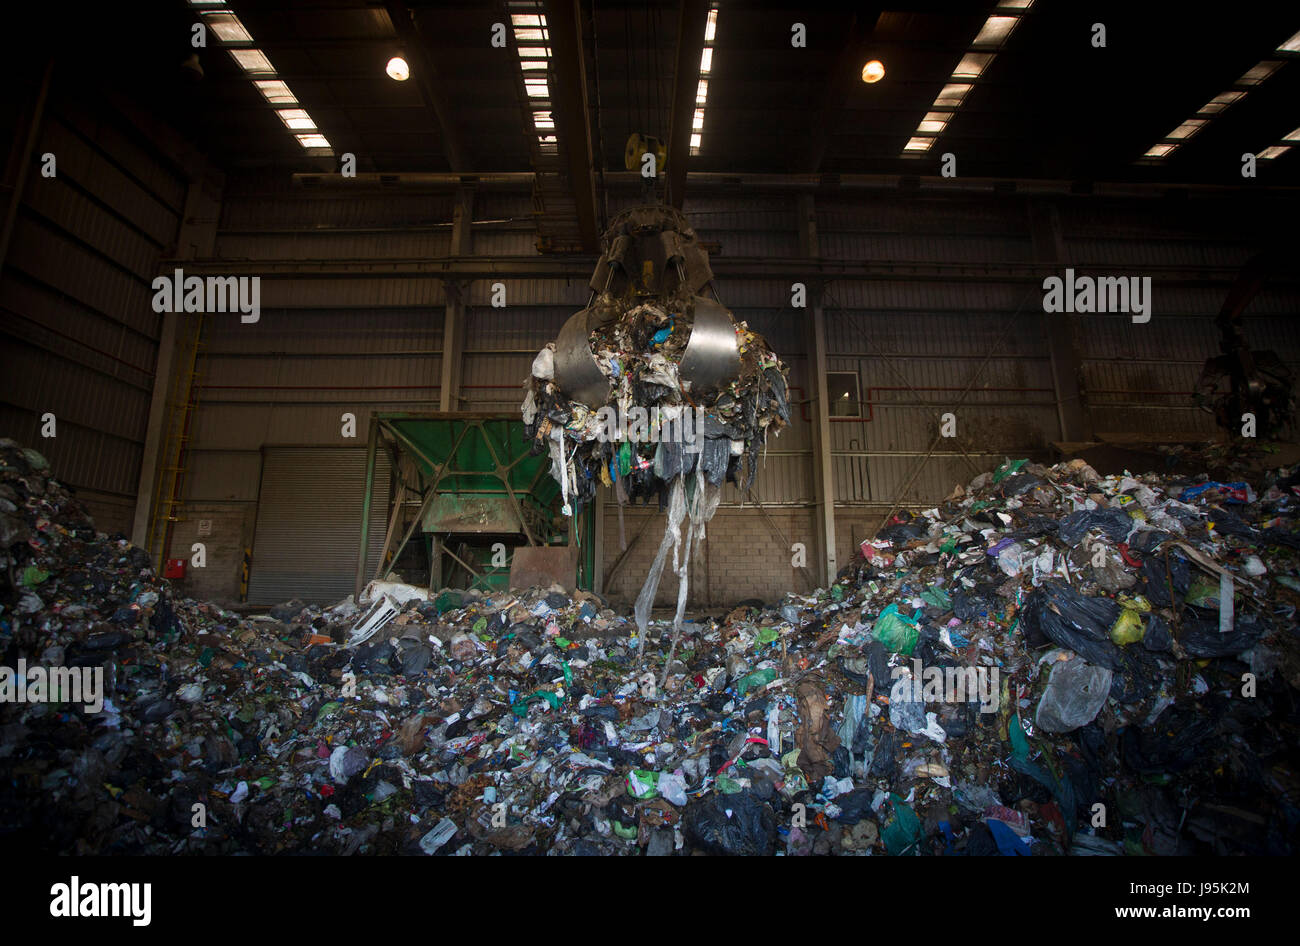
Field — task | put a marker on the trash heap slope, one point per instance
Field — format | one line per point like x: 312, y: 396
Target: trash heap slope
x: 527, y: 722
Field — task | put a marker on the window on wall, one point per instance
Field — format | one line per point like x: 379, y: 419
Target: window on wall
x: 845, y: 393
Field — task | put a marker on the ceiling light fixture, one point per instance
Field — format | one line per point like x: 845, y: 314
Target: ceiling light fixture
x: 974, y: 63
x: 873, y: 71
x: 702, y: 89
x: 1254, y: 76
x: 397, y: 69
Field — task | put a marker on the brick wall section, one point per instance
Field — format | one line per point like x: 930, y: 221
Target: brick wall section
x: 232, y: 532
x: 741, y: 558
x: 111, y: 514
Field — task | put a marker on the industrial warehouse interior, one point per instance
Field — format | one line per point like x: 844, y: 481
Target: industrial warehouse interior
x: 506, y: 427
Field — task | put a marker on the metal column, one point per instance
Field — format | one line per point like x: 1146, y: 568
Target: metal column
x: 823, y: 472
x: 1048, y: 247
x: 371, y: 447
x: 453, y: 326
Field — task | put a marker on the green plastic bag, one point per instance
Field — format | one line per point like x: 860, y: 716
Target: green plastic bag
x: 756, y: 679
x: 642, y: 783
x: 447, y: 601
x: 767, y: 635
x: 1011, y: 466
x: 33, y: 576
x: 936, y: 597
x: 896, y: 631
x: 520, y: 708
x: 329, y: 709
x: 902, y: 832
x: 1016, y: 736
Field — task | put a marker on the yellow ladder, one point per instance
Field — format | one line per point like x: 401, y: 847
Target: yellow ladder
x: 182, y: 401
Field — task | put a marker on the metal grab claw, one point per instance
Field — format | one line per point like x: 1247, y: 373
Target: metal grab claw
x: 710, y: 361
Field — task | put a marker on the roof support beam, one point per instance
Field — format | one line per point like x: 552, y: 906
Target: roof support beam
x: 724, y: 267
x: 572, y: 116
x: 686, y: 79
x: 425, y: 79
x: 836, y: 91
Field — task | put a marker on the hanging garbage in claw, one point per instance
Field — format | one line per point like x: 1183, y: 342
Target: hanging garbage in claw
x: 654, y: 390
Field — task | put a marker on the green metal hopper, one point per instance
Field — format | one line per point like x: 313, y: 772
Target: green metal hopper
x: 480, y: 489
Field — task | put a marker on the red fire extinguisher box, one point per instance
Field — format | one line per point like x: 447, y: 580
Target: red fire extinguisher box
x: 175, y: 568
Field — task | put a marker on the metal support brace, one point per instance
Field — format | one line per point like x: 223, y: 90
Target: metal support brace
x: 371, y: 448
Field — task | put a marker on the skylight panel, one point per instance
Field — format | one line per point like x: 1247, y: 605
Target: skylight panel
x: 1254, y: 76
x: 972, y: 65
x: 702, y: 90
x: 995, y: 30
x: 252, y: 61
x: 275, y: 91
x: 230, y: 31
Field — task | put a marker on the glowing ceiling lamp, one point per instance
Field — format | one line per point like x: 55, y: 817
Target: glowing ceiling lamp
x: 397, y: 69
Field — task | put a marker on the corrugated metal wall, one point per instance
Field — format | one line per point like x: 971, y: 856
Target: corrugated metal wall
x: 1139, y: 377
x: 973, y: 343
x: 922, y: 348
x: 749, y: 225
x: 80, y: 334
x: 323, y: 347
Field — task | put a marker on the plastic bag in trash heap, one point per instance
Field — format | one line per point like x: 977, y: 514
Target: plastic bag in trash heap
x: 1076, y: 692
x: 1073, y: 621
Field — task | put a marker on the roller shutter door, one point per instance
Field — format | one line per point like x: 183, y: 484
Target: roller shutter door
x: 309, y: 523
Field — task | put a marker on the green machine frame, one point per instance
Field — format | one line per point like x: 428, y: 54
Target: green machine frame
x: 478, y: 478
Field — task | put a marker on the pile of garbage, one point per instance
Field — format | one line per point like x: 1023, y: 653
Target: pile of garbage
x: 1048, y: 662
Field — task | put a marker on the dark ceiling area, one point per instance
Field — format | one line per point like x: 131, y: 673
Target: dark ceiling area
x: 1050, y: 105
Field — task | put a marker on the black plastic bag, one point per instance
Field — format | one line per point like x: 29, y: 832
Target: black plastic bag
x: 1074, y: 621
x: 1201, y: 637
x: 1157, y: 581
x: 1279, y: 536
x: 1170, y: 744
x: 1020, y: 484
x: 1116, y: 523
x: 901, y: 533
x: 1137, y: 677
x: 855, y: 806
x: 1157, y: 637
x: 973, y: 603
x: 737, y: 824
x: 1034, y: 526
x: 777, y: 383
x: 714, y: 459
